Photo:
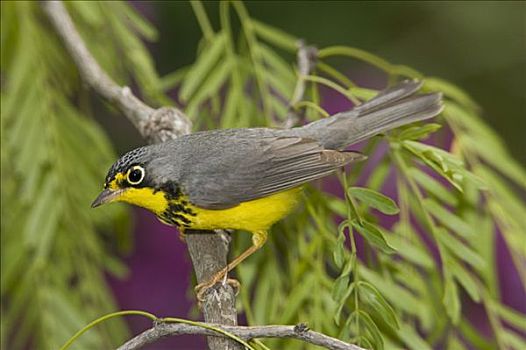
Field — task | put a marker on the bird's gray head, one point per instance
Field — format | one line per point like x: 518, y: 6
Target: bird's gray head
x: 132, y: 166
x: 133, y: 170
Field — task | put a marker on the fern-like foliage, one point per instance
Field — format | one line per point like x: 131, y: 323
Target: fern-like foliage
x: 55, y: 250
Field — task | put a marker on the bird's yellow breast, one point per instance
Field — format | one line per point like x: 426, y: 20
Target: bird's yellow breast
x: 254, y: 215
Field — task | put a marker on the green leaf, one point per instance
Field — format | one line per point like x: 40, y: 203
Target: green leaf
x: 335, y: 74
x: 513, y: 340
x: 69, y: 316
x: 472, y: 335
x: 230, y: 109
x: 173, y: 79
x: 439, y: 160
x: 376, y: 301
x: 275, y: 36
x: 47, y: 231
x: 448, y: 219
x: 341, y: 287
x: 339, y: 250
x: 451, y: 300
x: 466, y: 279
x: 89, y: 11
x: 371, y: 327
x: 281, y: 86
x: 461, y: 250
x: 211, y: 86
x: 374, y: 199
x: 513, y: 317
x: 356, y: 53
x: 299, y: 295
x: 140, y: 23
x: 411, y: 252
x: 265, y: 289
x: 278, y: 106
x: 276, y: 63
x: 363, y: 93
x: 39, y: 212
x: 448, y: 165
x: 398, y: 296
x: 503, y: 163
x: 379, y: 175
x: 373, y: 235
x: 411, y: 338
x: 503, y: 194
x: 433, y: 187
x: 341, y: 299
x: 450, y: 91
x: 419, y: 132
x: 203, y: 67
x: 406, y: 71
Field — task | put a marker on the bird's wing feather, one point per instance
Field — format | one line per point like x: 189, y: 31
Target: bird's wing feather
x: 255, y: 167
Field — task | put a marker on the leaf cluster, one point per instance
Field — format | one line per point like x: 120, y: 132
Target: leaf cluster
x: 55, y: 251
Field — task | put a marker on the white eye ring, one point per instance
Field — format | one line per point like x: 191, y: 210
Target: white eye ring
x: 135, y: 175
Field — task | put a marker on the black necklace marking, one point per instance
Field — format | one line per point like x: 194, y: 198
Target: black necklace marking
x: 178, y: 211
x: 170, y: 189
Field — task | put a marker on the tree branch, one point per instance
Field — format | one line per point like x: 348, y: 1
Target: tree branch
x: 156, y: 125
x: 300, y: 332
x: 207, y: 251
x: 306, y: 60
x: 219, y: 305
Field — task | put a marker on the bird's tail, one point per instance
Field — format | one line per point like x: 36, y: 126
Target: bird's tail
x: 391, y: 108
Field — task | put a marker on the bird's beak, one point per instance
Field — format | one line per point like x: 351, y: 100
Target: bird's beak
x: 106, y: 196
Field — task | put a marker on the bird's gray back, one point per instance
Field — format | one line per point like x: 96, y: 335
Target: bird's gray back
x: 222, y: 168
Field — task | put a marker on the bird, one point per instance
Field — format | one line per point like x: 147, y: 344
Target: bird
x: 250, y: 178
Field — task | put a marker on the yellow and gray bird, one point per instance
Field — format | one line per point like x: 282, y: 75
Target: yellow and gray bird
x: 247, y: 179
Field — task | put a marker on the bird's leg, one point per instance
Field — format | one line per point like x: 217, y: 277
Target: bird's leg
x: 182, y: 234
x: 258, y: 240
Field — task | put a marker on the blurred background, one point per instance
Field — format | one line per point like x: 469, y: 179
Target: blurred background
x: 480, y: 46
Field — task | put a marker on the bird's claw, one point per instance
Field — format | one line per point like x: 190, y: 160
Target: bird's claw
x: 202, y: 288
x: 182, y: 235
x: 236, y: 286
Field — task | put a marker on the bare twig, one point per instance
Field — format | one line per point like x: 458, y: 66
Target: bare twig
x: 300, y: 332
x: 208, y: 252
x: 155, y: 125
x: 306, y: 58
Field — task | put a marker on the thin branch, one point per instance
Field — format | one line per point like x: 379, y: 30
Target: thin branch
x: 156, y: 125
x: 306, y: 58
x: 300, y: 332
x: 209, y: 252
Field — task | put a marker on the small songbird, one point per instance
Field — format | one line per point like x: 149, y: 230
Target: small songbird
x: 247, y: 179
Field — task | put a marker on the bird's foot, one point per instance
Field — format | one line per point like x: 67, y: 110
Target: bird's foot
x: 182, y: 236
x: 202, y: 288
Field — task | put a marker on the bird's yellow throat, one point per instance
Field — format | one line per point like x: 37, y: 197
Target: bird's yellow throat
x: 255, y: 215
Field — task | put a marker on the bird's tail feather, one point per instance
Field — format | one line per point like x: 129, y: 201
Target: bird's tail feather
x: 390, y: 109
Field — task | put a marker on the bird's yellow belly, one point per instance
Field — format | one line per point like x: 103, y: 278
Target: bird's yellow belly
x: 255, y: 215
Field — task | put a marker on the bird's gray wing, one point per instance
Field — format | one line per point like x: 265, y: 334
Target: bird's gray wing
x: 255, y: 167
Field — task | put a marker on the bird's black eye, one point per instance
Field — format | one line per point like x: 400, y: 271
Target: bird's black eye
x: 135, y: 175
